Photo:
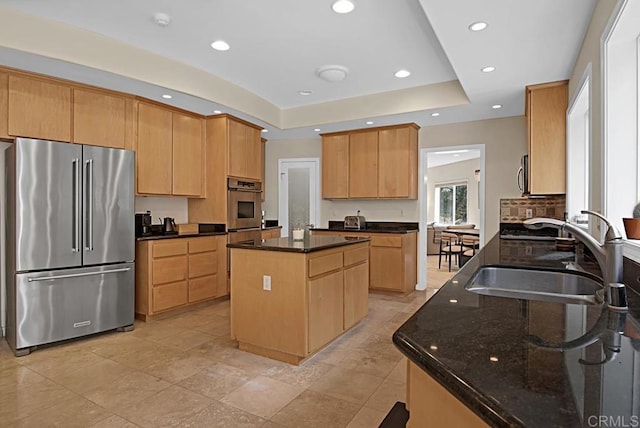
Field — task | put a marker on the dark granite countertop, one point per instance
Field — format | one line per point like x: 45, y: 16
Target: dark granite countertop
x: 481, y: 348
x: 307, y: 245
x: 374, y: 227
x: 175, y: 235
x: 271, y: 227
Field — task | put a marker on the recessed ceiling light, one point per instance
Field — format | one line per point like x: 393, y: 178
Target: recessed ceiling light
x: 305, y: 92
x: 342, y: 6
x: 435, y: 114
x: 167, y: 96
x: 488, y: 69
x: 220, y: 45
x: 401, y: 74
x: 333, y: 73
x: 265, y: 130
x: 478, y: 26
x: 456, y: 155
x: 162, y: 19
x: 217, y: 111
x: 316, y: 129
x: 496, y: 106
x: 369, y: 122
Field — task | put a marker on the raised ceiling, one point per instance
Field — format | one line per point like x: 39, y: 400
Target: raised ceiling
x: 278, y: 45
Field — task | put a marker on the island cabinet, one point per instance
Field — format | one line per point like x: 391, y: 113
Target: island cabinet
x: 305, y: 300
x: 271, y: 233
x: 371, y: 163
x: 173, y: 273
x: 393, y: 259
x: 545, y: 110
x: 170, y: 149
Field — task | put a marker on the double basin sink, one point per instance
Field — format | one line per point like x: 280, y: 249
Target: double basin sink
x: 568, y: 287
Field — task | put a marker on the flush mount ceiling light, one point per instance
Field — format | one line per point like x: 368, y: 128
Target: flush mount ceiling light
x: 369, y: 122
x: 342, y: 6
x: 217, y: 112
x: 488, y: 69
x: 478, y: 26
x: 435, y: 114
x: 265, y: 130
x: 401, y: 74
x: 496, y: 106
x: 161, y: 19
x: 316, y: 129
x: 167, y: 96
x: 333, y: 73
x: 220, y: 45
x: 305, y: 92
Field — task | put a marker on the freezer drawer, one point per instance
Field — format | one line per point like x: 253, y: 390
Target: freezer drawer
x: 63, y: 304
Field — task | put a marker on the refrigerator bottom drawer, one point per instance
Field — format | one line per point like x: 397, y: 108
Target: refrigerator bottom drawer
x: 64, y: 304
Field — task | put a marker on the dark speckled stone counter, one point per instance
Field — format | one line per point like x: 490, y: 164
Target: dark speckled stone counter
x: 374, y: 227
x: 480, y: 348
x: 308, y: 245
x: 175, y: 235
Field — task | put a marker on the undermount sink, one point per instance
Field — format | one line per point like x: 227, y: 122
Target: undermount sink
x: 533, y: 284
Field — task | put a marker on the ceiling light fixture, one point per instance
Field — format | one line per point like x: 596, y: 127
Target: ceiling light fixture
x: 435, y: 114
x: 333, y: 73
x: 220, y: 45
x: 217, y: 111
x: 369, y: 122
x: 478, y: 26
x: 166, y: 96
x: 401, y: 74
x: 265, y: 130
x: 316, y: 129
x: 496, y: 106
x: 305, y: 92
x: 161, y: 19
x: 343, y: 6
x: 488, y: 69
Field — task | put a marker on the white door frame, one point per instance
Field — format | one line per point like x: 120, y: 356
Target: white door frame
x: 313, y: 164
x: 422, y: 201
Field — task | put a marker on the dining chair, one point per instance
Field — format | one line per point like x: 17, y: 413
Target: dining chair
x: 449, y: 247
x: 468, y: 246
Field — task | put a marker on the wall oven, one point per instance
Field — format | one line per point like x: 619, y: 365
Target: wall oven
x: 244, y: 204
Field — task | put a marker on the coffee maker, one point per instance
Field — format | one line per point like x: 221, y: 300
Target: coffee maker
x: 143, y: 224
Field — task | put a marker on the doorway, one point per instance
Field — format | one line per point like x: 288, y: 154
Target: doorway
x: 299, y: 190
x: 452, y: 167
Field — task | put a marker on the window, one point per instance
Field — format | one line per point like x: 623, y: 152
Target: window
x: 451, y: 203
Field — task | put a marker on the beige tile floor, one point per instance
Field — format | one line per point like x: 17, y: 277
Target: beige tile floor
x: 185, y: 371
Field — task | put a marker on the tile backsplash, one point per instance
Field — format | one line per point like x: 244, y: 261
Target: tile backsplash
x: 514, y: 210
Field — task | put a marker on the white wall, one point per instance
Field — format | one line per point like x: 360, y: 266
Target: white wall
x: 455, y: 172
x: 163, y: 207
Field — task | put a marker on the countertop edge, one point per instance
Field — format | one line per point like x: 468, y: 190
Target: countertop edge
x: 189, y: 235
x: 399, y: 232
x: 244, y: 246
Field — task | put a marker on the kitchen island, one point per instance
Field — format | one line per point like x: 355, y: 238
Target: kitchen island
x: 479, y: 360
x: 290, y: 298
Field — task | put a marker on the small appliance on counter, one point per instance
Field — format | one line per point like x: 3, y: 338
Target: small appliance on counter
x: 169, y: 226
x: 356, y: 222
x: 143, y: 224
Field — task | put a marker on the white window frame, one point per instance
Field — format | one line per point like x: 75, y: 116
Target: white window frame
x: 453, y: 184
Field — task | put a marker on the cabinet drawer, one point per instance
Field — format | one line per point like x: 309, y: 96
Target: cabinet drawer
x: 201, y: 245
x: 322, y: 264
x: 202, y: 288
x: 174, y: 247
x: 202, y: 264
x: 386, y: 241
x: 169, y: 296
x: 169, y: 270
x: 352, y: 257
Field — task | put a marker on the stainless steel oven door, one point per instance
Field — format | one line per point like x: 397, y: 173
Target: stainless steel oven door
x: 244, y: 209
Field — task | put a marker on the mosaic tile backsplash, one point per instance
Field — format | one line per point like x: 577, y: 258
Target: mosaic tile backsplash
x: 514, y: 210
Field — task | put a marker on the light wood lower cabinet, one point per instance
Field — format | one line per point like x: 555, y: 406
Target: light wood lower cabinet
x: 271, y: 233
x: 313, y: 298
x: 393, y: 259
x: 172, y: 273
x: 431, y: 405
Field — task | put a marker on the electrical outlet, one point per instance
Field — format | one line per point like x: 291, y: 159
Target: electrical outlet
x: 266, y: 282
x: 529, y: 213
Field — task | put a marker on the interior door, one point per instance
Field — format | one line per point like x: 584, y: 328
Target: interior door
x: 108, y: 199
x: 299, y: 200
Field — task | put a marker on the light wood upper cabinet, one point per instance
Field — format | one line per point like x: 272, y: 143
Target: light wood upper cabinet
x: 102, y: 119
x: 4, y: 104
x: 376, y: 163
x: 154, y: 150
x: 244, y: 151
x: 546, y: 107
x: 187, y: 155
x: 39, y: 109
x: 335, y: 166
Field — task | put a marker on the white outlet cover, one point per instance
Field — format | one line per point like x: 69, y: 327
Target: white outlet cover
x: 266, y: 282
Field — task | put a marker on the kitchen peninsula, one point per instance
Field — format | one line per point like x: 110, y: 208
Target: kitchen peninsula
x: 291, y: 298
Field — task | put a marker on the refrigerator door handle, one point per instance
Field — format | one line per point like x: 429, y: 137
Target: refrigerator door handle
x: 75, y: 246
x: 76, y: 275
x: 89, y: 205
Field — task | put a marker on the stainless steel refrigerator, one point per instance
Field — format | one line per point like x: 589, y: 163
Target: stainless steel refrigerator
x: 70, y: 241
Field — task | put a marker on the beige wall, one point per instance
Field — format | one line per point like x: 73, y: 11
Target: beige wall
x: 505, y: 142
x: 455, y: 172
x: 590, y: 53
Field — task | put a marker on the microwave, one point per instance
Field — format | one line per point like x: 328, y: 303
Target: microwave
x: 244, y: 204
x: 522, y: 177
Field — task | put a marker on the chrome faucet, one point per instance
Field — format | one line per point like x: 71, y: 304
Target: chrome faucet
x: 608, y: 254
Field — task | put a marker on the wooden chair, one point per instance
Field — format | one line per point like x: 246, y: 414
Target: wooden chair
x: 449, y: 247
x: 469, y: 244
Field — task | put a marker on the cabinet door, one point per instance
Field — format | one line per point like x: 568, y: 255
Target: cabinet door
x: 397, y: 163
x: 154, y: 151
x: 170, y: 296
x: 202, y: 264
x: 325, y: 309
x: 169, y: 269
x: 386, y: 268
x: 4, y: 104
x: 237, y: 149
x: 356, y: 294
x: 363, y: 165
x: 253, y: 154
x: 263, y: 166
x: 202, y: 288
x: 222, y: 279
x: 335, y: 167
x: 39, y: 109
x: 98, y: 119
x: 187, y: 155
